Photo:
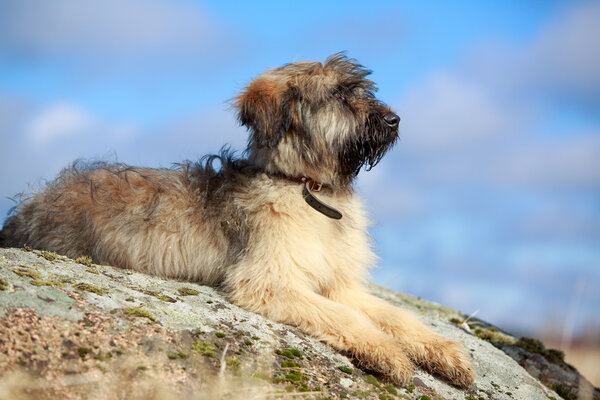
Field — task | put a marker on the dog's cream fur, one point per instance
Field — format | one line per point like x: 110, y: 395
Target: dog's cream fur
x: 247, y: 229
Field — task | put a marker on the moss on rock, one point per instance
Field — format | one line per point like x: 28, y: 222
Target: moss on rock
x: 27, y: 273
x: 87, y: 287
x: 140, y: 312
x: 186, y: 291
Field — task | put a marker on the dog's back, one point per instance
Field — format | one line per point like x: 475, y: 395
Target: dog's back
x: 118, y: 215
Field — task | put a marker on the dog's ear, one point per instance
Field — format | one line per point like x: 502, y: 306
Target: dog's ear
x: 266, y: 110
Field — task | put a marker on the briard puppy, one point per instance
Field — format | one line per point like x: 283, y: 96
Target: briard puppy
x: 281, y: 231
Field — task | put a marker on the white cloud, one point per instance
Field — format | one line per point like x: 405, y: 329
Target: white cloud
x: 449, y: 112
x: 58, y: 121
x: 497, y: 89
x: 94, y: 28
x: 511, y: 162
x: 488, y: 120
x: 566, y: 54
x: 554, y: 163
x: 187, y: 138
x: 562, y: 60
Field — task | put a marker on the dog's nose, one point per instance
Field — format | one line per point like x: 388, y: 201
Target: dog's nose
x: 391, y: 119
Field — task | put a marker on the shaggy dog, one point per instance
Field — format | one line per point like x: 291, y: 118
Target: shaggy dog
x: 281, y: 231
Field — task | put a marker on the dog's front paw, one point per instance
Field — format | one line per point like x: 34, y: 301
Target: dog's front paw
x: 399, y: 369
x: 447, y: 359
x: 401, y: 375
x: 390, y: 360
x: 456, y: 367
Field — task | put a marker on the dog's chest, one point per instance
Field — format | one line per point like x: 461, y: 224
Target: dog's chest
x: 321, y: 251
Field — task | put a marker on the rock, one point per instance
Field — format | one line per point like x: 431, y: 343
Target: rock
x: 73, y: 330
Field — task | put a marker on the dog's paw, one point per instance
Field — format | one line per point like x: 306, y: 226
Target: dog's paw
x: 448, y: 360
x: 401, y: 374
x: 456, y: 367
x: 397, y: 367
x: 390, y: 360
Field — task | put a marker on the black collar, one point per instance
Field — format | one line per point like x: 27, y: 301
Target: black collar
x: 311, y: 186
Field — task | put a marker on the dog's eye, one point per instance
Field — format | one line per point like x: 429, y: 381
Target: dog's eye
x: 339, y: 95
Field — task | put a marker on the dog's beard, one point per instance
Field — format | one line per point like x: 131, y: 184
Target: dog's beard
x: 367, y: 147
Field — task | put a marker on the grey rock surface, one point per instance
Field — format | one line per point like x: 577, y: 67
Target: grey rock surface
x: 88, y: 331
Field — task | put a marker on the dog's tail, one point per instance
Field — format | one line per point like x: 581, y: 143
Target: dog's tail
x: 7, y: 233
x: 3, y: 238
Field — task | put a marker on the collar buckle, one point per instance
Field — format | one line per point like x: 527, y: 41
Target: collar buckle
x: 311, y: 184
x: 315, y: 186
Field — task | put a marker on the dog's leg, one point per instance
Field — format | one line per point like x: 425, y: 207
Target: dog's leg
x: 334, y: 323
x: 428, y: 350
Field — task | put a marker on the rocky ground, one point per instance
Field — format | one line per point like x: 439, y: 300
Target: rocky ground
x: 73, y: 329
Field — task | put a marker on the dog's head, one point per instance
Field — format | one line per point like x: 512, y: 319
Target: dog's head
x: 316, y: 120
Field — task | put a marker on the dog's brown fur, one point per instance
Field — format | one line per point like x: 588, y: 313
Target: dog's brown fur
x: 246, y: 227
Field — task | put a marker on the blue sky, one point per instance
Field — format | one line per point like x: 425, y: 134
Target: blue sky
x: 491, y: 199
